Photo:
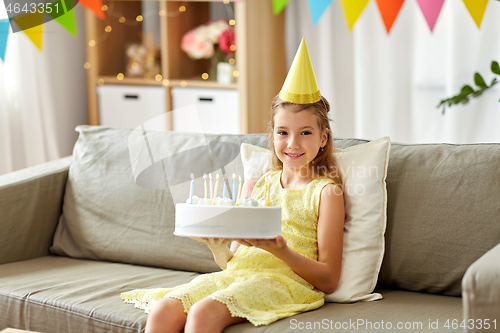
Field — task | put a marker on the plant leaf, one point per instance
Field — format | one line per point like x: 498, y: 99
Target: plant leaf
x: 495, y: 68
x: 494, y: 81
x: 479, y: 81
x: 466, y: 90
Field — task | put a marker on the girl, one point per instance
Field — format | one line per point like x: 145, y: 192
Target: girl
x: 266, y: 280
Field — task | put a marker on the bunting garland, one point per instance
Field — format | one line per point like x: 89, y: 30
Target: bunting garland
x: 32, y: 24
x: 476, y: 9
x: 4, y: 33
x: 317, y: 8
x: 352, y: 10
x: 431, y: 10
x: 389, y: 10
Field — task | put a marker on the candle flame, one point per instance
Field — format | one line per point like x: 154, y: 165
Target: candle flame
x: 210, y: 175
x: 192, y: 176
x: 234, y: 176
x: 217, y: 176
x: 239, y: 178
x: 205, y: 176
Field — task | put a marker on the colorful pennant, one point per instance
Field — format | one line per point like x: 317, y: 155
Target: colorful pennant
x: 96, y: 7
x: 431, y: 10
x: 32, y: 26
x: 4, y: 33
x: 317, y: 8
x: 352, y: 10
x: 279, y: 5
x: 67, y: 20
x: 389, y: 10
x: 476, y: 9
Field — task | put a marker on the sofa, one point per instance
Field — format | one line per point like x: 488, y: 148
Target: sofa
x: 78, y: 231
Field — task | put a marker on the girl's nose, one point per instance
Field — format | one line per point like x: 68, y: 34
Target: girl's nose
x: 293, y: 142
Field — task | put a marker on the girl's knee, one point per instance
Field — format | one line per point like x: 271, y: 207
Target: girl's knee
x: 166, y: 313
x: 209, y: 315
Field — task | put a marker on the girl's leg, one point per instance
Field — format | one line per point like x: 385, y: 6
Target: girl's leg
x: 209, y: 316
x: 166, y: 316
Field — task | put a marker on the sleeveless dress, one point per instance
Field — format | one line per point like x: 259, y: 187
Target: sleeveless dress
x: 256, y: 285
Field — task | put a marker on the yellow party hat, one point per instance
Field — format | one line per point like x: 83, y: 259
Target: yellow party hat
x: 300, y: 85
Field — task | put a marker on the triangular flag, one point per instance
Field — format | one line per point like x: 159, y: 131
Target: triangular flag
x: 352, y: 10
x: 67, y: 20
x: 279, y: 5
x: 431, y: 10
x: 32, y: 25
x: 389, y: 10
x: 4, y: 33
x: 476, y: 9
x: 317, y: 8
x: 95, y: 6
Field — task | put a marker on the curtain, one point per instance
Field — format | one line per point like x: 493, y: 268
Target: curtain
x: 27, y: 120
x: 42, y: 95
x: 383, y: 84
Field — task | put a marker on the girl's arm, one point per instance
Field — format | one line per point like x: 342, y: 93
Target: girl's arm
x: 324, y: 274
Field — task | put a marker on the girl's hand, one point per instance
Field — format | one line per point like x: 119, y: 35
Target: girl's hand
x: 273, y: 246
x: 219, y: 249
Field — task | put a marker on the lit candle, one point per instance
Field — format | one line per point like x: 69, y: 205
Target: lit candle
x: 192, y: 184
x: 249, y: 187
x: 205, y: 179
x: 234, y: 187
x: 268, y: 195
x: 225, y: 187
x: 211, y: 188
x: 216, y: 187
x: 239, y: 192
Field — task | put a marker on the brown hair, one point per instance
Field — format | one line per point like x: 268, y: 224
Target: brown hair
x: 325, y: 163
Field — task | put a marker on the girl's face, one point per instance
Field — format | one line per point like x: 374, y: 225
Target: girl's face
x: 297, y: 137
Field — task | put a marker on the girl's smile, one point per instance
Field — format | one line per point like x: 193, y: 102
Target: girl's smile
x: 297, y: 138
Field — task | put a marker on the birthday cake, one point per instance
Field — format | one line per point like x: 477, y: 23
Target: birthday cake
x: 243, y: 218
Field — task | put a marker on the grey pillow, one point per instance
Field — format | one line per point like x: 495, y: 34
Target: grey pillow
x: 443, y: 214
x: 106, y: 216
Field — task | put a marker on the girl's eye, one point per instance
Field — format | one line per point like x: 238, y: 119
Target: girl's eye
x: 306, y: 133
x: 281, y: 133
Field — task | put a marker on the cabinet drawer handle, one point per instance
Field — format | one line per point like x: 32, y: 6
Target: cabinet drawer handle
x: 132, y: 96
x: 206, y: 99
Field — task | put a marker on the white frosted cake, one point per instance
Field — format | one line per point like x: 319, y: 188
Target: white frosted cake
x: 214, y: 221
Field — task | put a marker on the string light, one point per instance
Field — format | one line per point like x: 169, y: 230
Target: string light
x: 91, y: 43
x: 104, y: 8
x: 100, y: 82
x: 86, y: 65
x: 108, y: 28
x: 139, y: 18
x: 204, y: 76
x: 122, y: 19
x: 183, y: 83
x: 158, y: 77
x: 232, y: 61
x: 166, y: 83
x: 232, y: 22
x: 232, y: 47
x: 236, y: 73
x: 120, y: 76
x: 182, y: 8
x: 162, y: 12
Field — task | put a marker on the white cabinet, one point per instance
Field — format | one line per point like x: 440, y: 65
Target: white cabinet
x: 217, y: 110
x: 129, y: 106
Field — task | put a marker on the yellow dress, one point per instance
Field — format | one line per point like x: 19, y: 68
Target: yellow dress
x: 256, y: 285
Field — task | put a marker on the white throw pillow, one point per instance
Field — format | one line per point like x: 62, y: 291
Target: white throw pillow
x: 364, y: 170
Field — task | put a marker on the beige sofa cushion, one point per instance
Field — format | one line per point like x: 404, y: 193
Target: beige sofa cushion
x: 443, y: 214
x: 61, y: 295
x: 106, y: 216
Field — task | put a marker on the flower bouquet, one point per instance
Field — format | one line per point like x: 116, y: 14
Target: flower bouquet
x: 214, y: 40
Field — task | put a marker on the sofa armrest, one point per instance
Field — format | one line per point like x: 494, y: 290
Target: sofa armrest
x: 30, y: 206
x: 481, y: 293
